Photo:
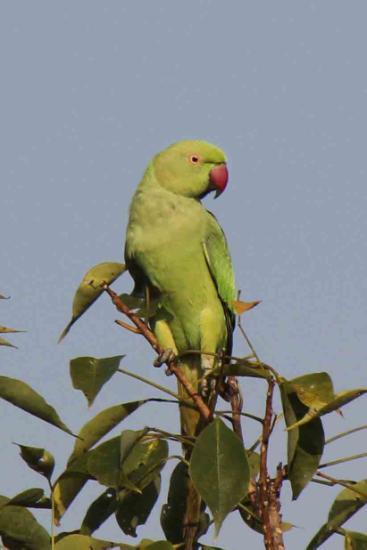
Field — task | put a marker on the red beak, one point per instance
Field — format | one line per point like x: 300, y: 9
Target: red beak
x: 218, y: 178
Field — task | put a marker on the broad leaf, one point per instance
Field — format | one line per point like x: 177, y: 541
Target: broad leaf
x: 305, y: 443
x: 89, y: 374
x: 316, y: 392
x: 3, y: 500
x: 104, y: 463
x: 174, y: 511
x: 38, y: 459
x: 145, y: 461
x: 23, y: 396
x: 355, y: 541
x: 91, y: 288
x: 128, y: 440
x: 19, y: 525
x: 99, y: 511
x: 346, y: 504
x: 69, y: 484
x: 139, y: 468
x: 219, y: 470
x: 101, y: 424
x: 84, y: 542
x: 139, y: 306
x: 29, y: 497
x: 134, y: 509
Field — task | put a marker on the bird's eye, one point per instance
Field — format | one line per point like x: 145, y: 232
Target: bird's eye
x: 194, y: 159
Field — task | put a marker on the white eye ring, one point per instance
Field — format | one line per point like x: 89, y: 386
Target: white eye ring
x: 194, y: 159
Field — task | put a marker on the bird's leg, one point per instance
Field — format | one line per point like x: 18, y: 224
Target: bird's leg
x: 229, y: 388
x: 166, y: 356
x: 166, y: 342
x: 208, y: 382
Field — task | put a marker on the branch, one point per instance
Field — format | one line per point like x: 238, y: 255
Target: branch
x: 173, y: 368
x: 269, y: 489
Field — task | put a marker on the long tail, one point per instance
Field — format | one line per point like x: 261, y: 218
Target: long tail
x: 190, y: 426
x: 190, y: 418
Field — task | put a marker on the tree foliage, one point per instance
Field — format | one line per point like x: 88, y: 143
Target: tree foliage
x: 230, y: 476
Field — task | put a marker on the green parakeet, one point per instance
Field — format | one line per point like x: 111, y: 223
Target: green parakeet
x: 177, y: 255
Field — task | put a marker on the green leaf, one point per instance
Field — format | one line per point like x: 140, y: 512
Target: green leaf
x: 89, y: 374
x: 316, y: 392
x: 3, y: 500
x: 70, y: 484
x: 99, y: 511
x: 29, y: 497
x: 250, y: 515
x: 134, y: 509
x: 104, y: 463
x: 145, y: 461
x: 67, y: 487
x: 4, y: 330
x: 84, y: 542
x: 19, y: 525
x: 254, y: 464
x: 139, y: 306
x: 346, y: 504
x: 101, y: 424
x: 23, y: 396
x: 4, y: 342
x: 159, y: 545
x: 341, y: 399
x: 355, y: 541
x: 219, y: 470
x: 139, y: 468
x: 91, y: 288
x: 244, y: 367
x: 305, y: 443
x: 174, y: 511
x: 128, y: 440
x: 38, y: 459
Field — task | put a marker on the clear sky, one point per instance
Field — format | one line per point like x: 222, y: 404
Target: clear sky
x: 89, y: 92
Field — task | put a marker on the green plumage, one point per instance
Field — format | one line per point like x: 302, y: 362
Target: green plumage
x: 176, y: 249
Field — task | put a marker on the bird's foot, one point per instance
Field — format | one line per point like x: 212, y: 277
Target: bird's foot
x: 230, y: 390
x: 207, y: 384
x: 166, y: 356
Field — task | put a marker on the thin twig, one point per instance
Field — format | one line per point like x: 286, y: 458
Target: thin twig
x: 348, y: 432
x: 151, y: 383
x: 342, y: 460
x: 342, y: 483
x: 203, y: 409
x: 127, y: 326
x: 247, y: 415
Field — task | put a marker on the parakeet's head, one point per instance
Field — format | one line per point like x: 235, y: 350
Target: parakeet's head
x: 191, y: 168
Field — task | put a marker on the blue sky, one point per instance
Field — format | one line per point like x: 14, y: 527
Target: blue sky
x: 89, y: 92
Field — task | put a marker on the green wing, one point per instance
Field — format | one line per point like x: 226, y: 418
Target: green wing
x: 219, y: 261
